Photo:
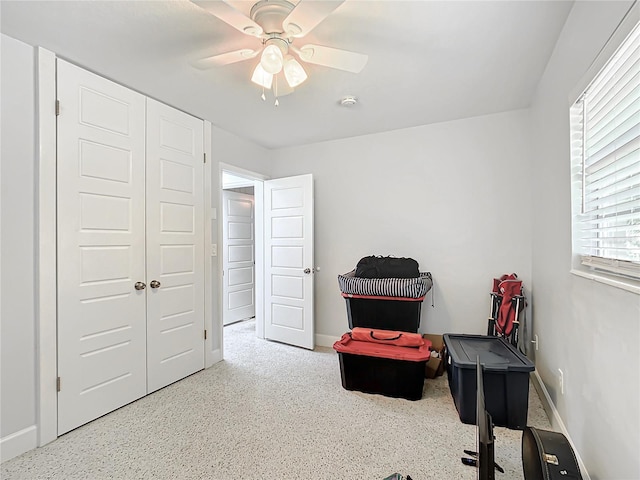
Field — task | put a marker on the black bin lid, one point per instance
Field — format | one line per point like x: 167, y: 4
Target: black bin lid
x: 495, y: 353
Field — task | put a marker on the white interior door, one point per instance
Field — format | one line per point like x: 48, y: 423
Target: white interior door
x: 238, y: 246
x: 288, y: 226
x: 101, y: 250
x: 175, y: 245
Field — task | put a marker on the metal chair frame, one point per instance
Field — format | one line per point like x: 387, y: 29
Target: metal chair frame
x: 519, y: 302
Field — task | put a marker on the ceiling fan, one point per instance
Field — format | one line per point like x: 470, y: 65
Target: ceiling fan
x: 277, y: 24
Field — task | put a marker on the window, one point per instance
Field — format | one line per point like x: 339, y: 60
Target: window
x: 605, y: 165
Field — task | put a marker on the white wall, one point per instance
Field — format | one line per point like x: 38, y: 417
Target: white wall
x: 455, y: 196
x: 589, y: 330
x: 231, y: 149
x: 17, y: 322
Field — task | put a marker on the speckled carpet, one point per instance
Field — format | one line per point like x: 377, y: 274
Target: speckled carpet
x: 271, y: 411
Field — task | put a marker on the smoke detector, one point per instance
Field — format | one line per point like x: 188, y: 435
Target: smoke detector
x: 348, y: 101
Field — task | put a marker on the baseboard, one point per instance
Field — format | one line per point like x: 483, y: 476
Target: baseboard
x: 325, y: 340
x: 556, y: 421
x: 18, y: 443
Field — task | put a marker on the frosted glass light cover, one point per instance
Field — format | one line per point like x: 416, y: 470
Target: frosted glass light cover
x: 271, y: 59
x: 261, y: 77
x: 293, y: 72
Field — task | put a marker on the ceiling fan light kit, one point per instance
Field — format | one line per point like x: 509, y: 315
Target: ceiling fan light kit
x: 261, y: 77
x: 293, y: 72
x: 272, y: 59
x: 277, y: 24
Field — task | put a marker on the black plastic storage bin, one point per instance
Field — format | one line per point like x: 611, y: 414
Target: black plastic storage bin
x: 368, y: 371
x: 392, y: 378
x: 384, y: 313
x: 506, y: 378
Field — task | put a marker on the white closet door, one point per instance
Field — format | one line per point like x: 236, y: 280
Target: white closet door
x: 175, y: 245
x: 101, y: 251
x: 239, y: 260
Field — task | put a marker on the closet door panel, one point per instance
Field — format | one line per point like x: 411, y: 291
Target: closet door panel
x: 175, y: 245
x: 101, y: 249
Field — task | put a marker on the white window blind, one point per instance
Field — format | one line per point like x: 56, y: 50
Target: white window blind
x: 605, y: 147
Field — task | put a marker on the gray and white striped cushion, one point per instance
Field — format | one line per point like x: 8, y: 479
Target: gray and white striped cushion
x: 386, y: 287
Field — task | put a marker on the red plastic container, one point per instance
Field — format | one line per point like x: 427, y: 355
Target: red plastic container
x: 389, y: 370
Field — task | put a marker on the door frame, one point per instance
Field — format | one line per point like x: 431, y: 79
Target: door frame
x: 46, y: 254
x: 46, y: 296
x: 258, y: 196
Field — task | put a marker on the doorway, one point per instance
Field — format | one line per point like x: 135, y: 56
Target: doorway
x: 283, y: 256
x: 238, y: 247
x: 241, y: 256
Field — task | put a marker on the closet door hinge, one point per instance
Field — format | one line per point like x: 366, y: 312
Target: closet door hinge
x: 57, y: 107
x: 205, y: 157
x: 58, y: 384
x: 205, y: 334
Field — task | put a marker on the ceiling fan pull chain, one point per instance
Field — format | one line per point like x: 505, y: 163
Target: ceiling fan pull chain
x: 275, y: 92
x: 263, y: 96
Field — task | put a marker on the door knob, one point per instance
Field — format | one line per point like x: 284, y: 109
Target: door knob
x: 139, y: 286
x: 154, y: 284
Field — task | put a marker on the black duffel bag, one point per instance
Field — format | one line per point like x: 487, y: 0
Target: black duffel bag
x: 387, y: 267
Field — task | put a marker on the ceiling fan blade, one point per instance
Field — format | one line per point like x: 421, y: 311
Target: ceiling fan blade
x: 307, y: 14
x: 230, y: 15
x: 225, y: 58
x: 332, y: 57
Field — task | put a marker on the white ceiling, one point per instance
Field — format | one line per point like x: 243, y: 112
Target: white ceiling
x: 429, y: 61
